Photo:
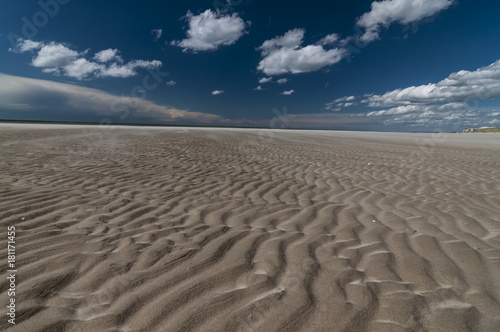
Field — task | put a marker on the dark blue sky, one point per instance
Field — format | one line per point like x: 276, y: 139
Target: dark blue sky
x: 384, y: 65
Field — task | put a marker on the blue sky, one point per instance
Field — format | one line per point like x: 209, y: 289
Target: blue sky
x: 391, y: 65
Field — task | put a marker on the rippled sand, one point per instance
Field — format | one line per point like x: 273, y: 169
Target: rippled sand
x: 187, y: 229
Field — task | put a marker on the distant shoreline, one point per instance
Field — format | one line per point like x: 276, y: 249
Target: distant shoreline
x: 189, y: 125
x: 487, y: 130
x: 117, y: 124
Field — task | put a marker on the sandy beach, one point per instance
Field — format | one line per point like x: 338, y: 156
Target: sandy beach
x: 205, y: 229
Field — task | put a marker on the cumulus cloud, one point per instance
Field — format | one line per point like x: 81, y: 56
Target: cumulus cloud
x: 157, y: 33
x: 217, y: 92
x: 483, y: 83
x: 53, y: 55
x: 291, y: 39
x: 454, y: 116
x: 259, y: 88
x: 459, y: 87
x: 20, y: 94
x: 209, y: 30
x: 81, y: 68
x: 53, y: 71
x: 107, y: 55
x: 265, y: 80
x: 287, y: 93
x: 284, y: 54
x: 171, y: 83
x: 56, y: 58
x: 385, y: 12
x: 329, y: 39
x: 128, y: 69
x: 26, y: 45
x: 452, y: 102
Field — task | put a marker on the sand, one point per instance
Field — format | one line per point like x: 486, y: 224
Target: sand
x: 190, y: 229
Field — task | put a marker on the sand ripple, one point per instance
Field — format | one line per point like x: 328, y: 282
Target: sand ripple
x: 140, y: 229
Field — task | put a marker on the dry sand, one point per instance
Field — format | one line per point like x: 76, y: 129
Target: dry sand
x: 185, y: 229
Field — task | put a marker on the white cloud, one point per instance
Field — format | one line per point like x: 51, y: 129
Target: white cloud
x: 287, y: 93
x: 399, y: 110
x: 385, y: 12
x: 217, y: 92
x: 19, y: 94
x: 209, y: 30
x: 282, y: 80
x: 454, y: 116
x: 340, y: 103
x: 53, y: 71
x: 451, y: 103
x: 26, y: 45
x: 56, y: 58
x: 457, y: 89
x: 284, y: 54
x: 157, y: 33
x: 107, y: 55
x: 291, y: 39
x: 81, y: 68
x: 483, y: 83
x: 259, y: 88
x: 329, y: 39
x: 171, y: 83
x: 265, y: 80
x: 129, y: 69
x: 54, y: 55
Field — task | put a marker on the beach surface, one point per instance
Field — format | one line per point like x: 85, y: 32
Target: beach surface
x: 209, y: 229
